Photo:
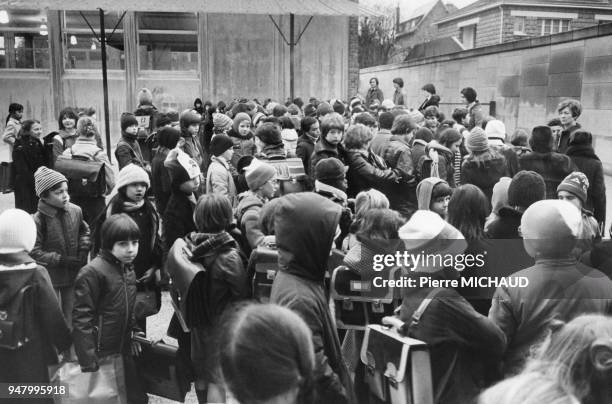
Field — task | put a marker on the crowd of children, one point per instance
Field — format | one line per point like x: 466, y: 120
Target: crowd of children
x: 307, y: 180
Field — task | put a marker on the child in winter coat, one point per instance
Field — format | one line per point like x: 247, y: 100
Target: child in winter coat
x: 574, y: 189
x: 260, y: 177
x: 299, y: 284
x: 330, y: 141
x: 556, y: 287
x: 129, y: 197
x: 219, y: 178
x: 105, y: 294
x: 242, y: 137
x: 45, y: 329
x: 66, y: 136
x: 62, y: 236
x: 128, y: 149
x: 185, y: 180
x: 434, y: 194
x: 225, y: 283
x: 13, y: 125
x: 28, y: 155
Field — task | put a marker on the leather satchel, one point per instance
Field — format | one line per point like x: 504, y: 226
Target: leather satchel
x: 161, y: 369
x: 86, y: 178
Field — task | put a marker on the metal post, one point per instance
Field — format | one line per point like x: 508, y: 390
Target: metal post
x: 291, y: 55
x: 105, y: 85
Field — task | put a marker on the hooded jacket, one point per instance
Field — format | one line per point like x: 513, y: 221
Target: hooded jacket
x: 299, y: 284
x: 243, y: 145
x: 424, y: 190
x: 48, y: 330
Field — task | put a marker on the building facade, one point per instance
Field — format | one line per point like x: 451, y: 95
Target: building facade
x: 491, y: 22
x: 418, y: 25
x: 50, y: 59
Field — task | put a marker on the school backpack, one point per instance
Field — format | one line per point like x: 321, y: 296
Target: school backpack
x: 16, y: 320
x: 86, y: 177
x: 290, y: 174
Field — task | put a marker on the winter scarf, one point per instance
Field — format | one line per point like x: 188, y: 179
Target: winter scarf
x: 202, y: 244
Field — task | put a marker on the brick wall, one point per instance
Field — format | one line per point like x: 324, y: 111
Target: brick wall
x: 487, y: 30
x: 533, y: 25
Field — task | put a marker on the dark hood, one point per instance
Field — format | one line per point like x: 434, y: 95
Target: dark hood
x: 305, y: 224
x: 581, y: 150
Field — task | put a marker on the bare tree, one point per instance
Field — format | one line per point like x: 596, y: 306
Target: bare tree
x: 377, y: 37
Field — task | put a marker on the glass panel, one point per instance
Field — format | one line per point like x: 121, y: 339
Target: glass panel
x: 81, y: 48
x: 27, y: 49
x: 168, y: 41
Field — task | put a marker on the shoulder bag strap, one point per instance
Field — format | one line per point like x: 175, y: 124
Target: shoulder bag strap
x: 416, y: 316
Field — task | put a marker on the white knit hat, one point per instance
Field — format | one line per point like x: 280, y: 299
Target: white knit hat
x: 496, y: 130
x: 130, y: 174
x: 17, y: 231
x: 46, y: 178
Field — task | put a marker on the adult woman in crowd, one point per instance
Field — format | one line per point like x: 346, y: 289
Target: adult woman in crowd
x: 67, y: 134
x: 569, y: 111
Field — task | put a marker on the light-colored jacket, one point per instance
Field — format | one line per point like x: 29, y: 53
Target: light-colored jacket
x: 13, y: 126
x: 87, y: 147
x: 219, y: 180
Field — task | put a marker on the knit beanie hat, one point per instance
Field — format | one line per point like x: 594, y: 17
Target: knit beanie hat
x: 46, y: 178
x: 427, y: 233
x: 219, y: 144
x: 127, y: 120
x: 330, y: 169
x: 258, y: 173
x: 293, y: 109
x: 168, y: 137
x: 417, y: 116
x: 188, y: 118
x: 269, y: 134
x: 221, y: 122
x: 17, y: 231
x: 132, y: 174
x: 145, y: 97
x: 526, y: 188
x: 576, y: 183
x: 239, y: 117
x: 354, y: 102
x: 550, y: 228
x: 496, y: 130
x: 323, y: 109
x: 270, y: 107
x: 339, y: 107
x: 477, y: 140
x: 257, y: 117
x: 163, y: 120
x: 279, y: 110
x: 541, y: 139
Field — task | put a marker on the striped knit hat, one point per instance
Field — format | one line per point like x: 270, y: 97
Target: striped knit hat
x: 46, y: 178
x: 222, y: 122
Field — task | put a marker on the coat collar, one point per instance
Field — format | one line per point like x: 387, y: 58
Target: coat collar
x: 47, y: 209
x: 221, y: 161
x: 337, y: 193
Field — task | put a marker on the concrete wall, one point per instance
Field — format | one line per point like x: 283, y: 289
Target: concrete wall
x: 527, y: 79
